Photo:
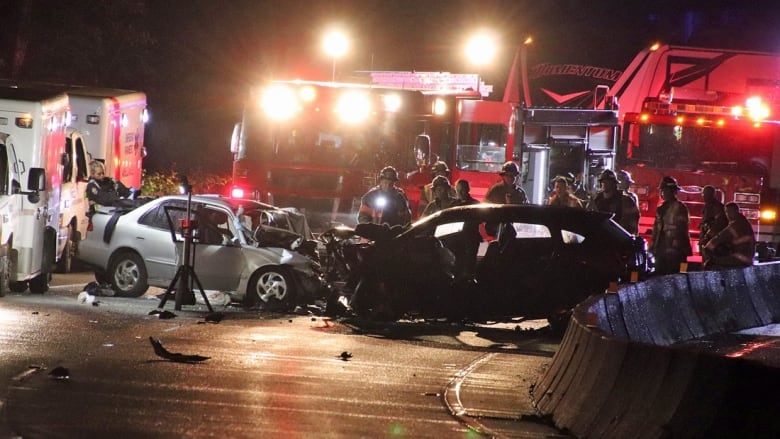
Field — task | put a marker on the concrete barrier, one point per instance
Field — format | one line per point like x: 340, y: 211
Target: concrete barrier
x: 617, y: 373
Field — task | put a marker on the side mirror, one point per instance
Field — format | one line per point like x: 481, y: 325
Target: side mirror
x: 36, y: 180
x: 422, y: 150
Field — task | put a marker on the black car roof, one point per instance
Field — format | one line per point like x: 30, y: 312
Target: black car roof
x: 570, y: 218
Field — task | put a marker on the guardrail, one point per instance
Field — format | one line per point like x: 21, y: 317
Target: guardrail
x: 617, y: 373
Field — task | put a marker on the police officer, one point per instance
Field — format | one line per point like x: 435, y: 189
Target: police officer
x: 437, y: 169
x: 507, y: 191
x: 671, y: 243
x: 105, y: 191
x: 610, y: 199
x: 442, y: 197
x: 385, y: 203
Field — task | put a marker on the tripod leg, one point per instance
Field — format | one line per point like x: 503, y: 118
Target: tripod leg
x: 202, y: 293
x: 170, y: 287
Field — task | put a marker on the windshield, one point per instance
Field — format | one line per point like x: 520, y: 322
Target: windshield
x: 481, y: 147
x: 737, y: 150
x: 322, y: 134
x: 248, y: 220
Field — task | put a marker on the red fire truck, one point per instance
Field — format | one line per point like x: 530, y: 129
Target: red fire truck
x: 702, y: 116
x: 544, y: 141
x: 318, y: 146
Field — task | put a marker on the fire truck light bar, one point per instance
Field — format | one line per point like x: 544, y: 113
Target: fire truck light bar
x: 741, y: 197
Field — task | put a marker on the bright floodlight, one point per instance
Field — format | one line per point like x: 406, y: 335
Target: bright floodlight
x: 353, y: 107
x: 481, y: 49
x: 335, y: 44
x: 279, y: 102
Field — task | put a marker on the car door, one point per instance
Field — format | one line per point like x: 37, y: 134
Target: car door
x: 218, y: 265
x: 155, y: 240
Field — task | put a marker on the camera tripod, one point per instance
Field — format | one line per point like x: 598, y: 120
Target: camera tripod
x: 186, y: 271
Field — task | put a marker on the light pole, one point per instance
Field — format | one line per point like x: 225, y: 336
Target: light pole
x: 335, y: 45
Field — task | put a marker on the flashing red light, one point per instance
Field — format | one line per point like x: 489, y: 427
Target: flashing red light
x: 237, y: 192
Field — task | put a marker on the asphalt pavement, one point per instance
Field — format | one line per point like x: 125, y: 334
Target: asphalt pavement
x: 491, y: 395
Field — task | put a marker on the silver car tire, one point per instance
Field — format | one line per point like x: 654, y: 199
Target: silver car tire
x: 128, y: 275
x: 273, y: 285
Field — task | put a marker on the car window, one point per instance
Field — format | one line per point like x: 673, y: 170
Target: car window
x: 158, y: 218
x: 525, y: 230
x: 570, y: 237
x: 448, y: 229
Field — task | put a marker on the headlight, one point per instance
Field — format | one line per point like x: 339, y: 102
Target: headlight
x: 279, y: 102
x: 353, y: 107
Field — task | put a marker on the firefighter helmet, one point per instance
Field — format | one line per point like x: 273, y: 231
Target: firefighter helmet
x: 440, y: 168
x: 669, y: 183
x: 388, y: 173
x: 440, y: 180
x: 608, y: 174
x: 624, y: 176
x: 510, y: 168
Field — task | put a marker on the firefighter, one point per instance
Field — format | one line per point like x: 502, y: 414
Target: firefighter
x: 624, y: 184
x: 507, y: 190
x: 385, y: 203
x: 463, y: 193
x: 671, y: 243
x: 610, y: 199
x: 713, y: 220
x: 735, y: 245
x: 442, y: 197
x: 562, y: 195
x: 437, y: 169
x: 105, y: 191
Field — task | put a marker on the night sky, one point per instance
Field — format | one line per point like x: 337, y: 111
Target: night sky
x: 195, y: 59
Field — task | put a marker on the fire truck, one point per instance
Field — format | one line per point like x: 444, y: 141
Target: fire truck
x: 544, y: 141
x: 704, y: 117
x: 318, y: 146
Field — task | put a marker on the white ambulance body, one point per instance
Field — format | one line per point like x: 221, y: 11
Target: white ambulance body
x: 111, y: 123
x: 32, y: 157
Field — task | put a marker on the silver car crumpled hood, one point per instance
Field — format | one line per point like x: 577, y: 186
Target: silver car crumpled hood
x: 257, y: 257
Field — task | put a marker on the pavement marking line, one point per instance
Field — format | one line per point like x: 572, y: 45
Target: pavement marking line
x: 451, y: 396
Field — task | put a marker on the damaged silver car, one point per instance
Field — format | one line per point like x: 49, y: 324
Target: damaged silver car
x: 251, y: 250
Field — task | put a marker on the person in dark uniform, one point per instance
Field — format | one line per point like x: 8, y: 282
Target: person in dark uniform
x: 713, y: 220
x: 385, y: 203
x: 105, y: 191
x: 671, y: 244
x: 463, y: 193
x: 442, y: 197
x: 507, y: 191
x: 610, y: 199
x: 734, y: 246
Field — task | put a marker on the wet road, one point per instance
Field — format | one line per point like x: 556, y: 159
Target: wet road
x: 267, y: 375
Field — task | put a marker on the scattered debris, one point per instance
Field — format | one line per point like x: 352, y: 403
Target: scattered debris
x: 214, y: 317
x: 345, y: 356
x: 59, y: 373
x: 162, y: 314
x: 96, y: 289
x: 161, y: 352
x: 85, y: 297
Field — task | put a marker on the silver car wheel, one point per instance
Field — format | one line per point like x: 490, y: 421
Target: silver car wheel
x: 126, y: 275
x: 272, y: 284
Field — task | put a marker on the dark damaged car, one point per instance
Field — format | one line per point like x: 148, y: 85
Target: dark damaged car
x: 481, y: 262
x: 250, y: 250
